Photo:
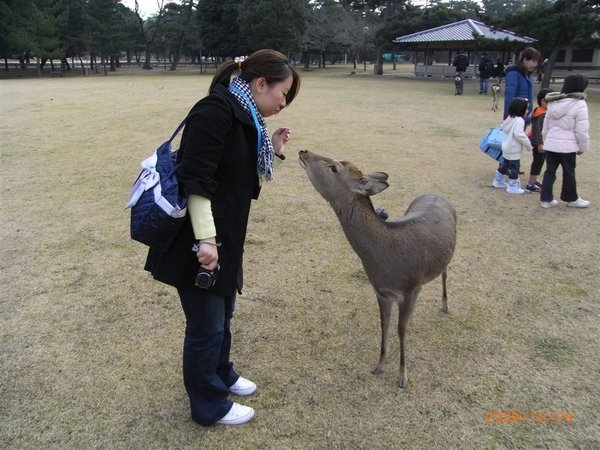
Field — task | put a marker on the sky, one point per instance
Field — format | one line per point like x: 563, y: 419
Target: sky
x: 148, y: 7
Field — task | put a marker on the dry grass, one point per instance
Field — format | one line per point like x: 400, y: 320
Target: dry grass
x: 90, y: 346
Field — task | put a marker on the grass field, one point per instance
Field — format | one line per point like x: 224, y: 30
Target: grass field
x: 90, y: 345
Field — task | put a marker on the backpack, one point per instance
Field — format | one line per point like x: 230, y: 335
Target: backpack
x: 461, y: 62
x: 486, y: 66
x: 158, y: 207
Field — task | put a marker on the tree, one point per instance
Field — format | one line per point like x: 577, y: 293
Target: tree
x: 150, y: 30
x: 180, y: 26
x: 501, y: 8
x: 11, y: 22
x: 39, y: 22
x: 276, y: 24
x: 326, y: 29
x: 219, y: 30
x: 556, y: 24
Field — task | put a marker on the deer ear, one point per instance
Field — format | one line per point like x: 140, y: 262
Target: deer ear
x: 379, y: 176
x: 371, y: 186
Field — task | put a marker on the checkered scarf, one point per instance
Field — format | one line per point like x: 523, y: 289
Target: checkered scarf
x: 266, y: 153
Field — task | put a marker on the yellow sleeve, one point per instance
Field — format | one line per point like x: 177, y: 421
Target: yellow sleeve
x: 201, y: 216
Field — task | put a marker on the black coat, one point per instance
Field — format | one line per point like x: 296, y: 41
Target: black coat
x: 218, y: 161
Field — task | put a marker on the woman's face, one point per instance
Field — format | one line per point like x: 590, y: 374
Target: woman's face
x: 270, y: 98
x: 530, y: 64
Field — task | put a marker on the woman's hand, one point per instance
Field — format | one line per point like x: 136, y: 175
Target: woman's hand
x: 280, y: 139
x: 207, y: 254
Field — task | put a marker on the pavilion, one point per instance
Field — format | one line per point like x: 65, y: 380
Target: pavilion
x: 436, y: 48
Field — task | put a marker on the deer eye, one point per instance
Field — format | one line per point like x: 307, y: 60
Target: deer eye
x: 333, y: 168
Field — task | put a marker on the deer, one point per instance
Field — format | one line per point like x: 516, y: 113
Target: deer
x: 496, y: 87
x: 398, y: 256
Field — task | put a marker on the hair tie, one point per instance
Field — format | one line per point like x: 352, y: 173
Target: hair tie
x: 239, y: 60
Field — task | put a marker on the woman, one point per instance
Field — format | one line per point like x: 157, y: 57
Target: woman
x: 519, y: 80
x: 225, y: 155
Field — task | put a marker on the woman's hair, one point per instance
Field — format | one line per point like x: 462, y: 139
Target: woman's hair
x: 270, y: 64
x: 574, y: 83
x: 529, y: 53
x: 518, y: 107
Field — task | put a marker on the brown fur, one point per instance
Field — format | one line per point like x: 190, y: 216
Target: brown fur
x: 496, y: 87
x: 398, y: 256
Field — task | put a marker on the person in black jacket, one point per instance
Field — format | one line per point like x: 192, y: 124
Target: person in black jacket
x: 485, y: 69
x: 225, y: 154
x: 461, y: 62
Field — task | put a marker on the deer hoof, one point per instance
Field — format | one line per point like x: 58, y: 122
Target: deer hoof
x: 377, y: 371
x: 402, y: 383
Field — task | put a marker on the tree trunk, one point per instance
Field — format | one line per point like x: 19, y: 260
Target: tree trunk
x: 378, y: 69
x: 554, y: 54
x: 549, y: 67
x: 179, y: 47
x: 178, y: 51
x: 147, y: 63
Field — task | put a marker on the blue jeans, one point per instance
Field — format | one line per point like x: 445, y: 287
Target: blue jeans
x: 510, y: 168
x: 207, y: 370
x: 483, y: 85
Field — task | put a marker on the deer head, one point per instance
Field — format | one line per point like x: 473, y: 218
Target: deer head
x: 334, y: 179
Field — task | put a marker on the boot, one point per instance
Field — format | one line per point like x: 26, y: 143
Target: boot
x: 514, y: 187
x: 499, y: 181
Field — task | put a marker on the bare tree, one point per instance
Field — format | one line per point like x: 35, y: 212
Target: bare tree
x: 325, y: 30
x: 189, y: 10
x: 150, y: 30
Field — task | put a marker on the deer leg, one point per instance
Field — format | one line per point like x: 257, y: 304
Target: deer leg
x: 385, y: 311
x: 404, y: 313
x: 444, y: 294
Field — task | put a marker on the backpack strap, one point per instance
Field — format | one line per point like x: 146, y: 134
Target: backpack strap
x: 179, y: 128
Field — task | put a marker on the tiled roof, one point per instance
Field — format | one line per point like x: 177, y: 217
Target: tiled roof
x: 465, y: 30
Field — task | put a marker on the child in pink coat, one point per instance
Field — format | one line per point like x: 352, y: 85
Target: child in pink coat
x: 565, y: 135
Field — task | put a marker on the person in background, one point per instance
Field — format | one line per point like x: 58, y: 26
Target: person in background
x: 498, y: 70
x: 535, y: 137
x: 485, y: 69
x: 541, y: 70
x: 461, y: 63
x: 513, y: 141
x: 566, y: 134
x: 519, y: 80
x: 225, y: 154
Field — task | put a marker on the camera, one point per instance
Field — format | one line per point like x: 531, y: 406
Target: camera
x: 206, y: 278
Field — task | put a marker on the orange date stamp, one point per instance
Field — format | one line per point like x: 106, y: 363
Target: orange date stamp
x: 534, y: 417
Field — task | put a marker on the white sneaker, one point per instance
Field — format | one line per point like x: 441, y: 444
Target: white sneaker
x: 550, y: 204
x: 579, y: 203
x: 499, y: 184
x: 242, y: 387
x: 514, y: 187
x: 237, y: 415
